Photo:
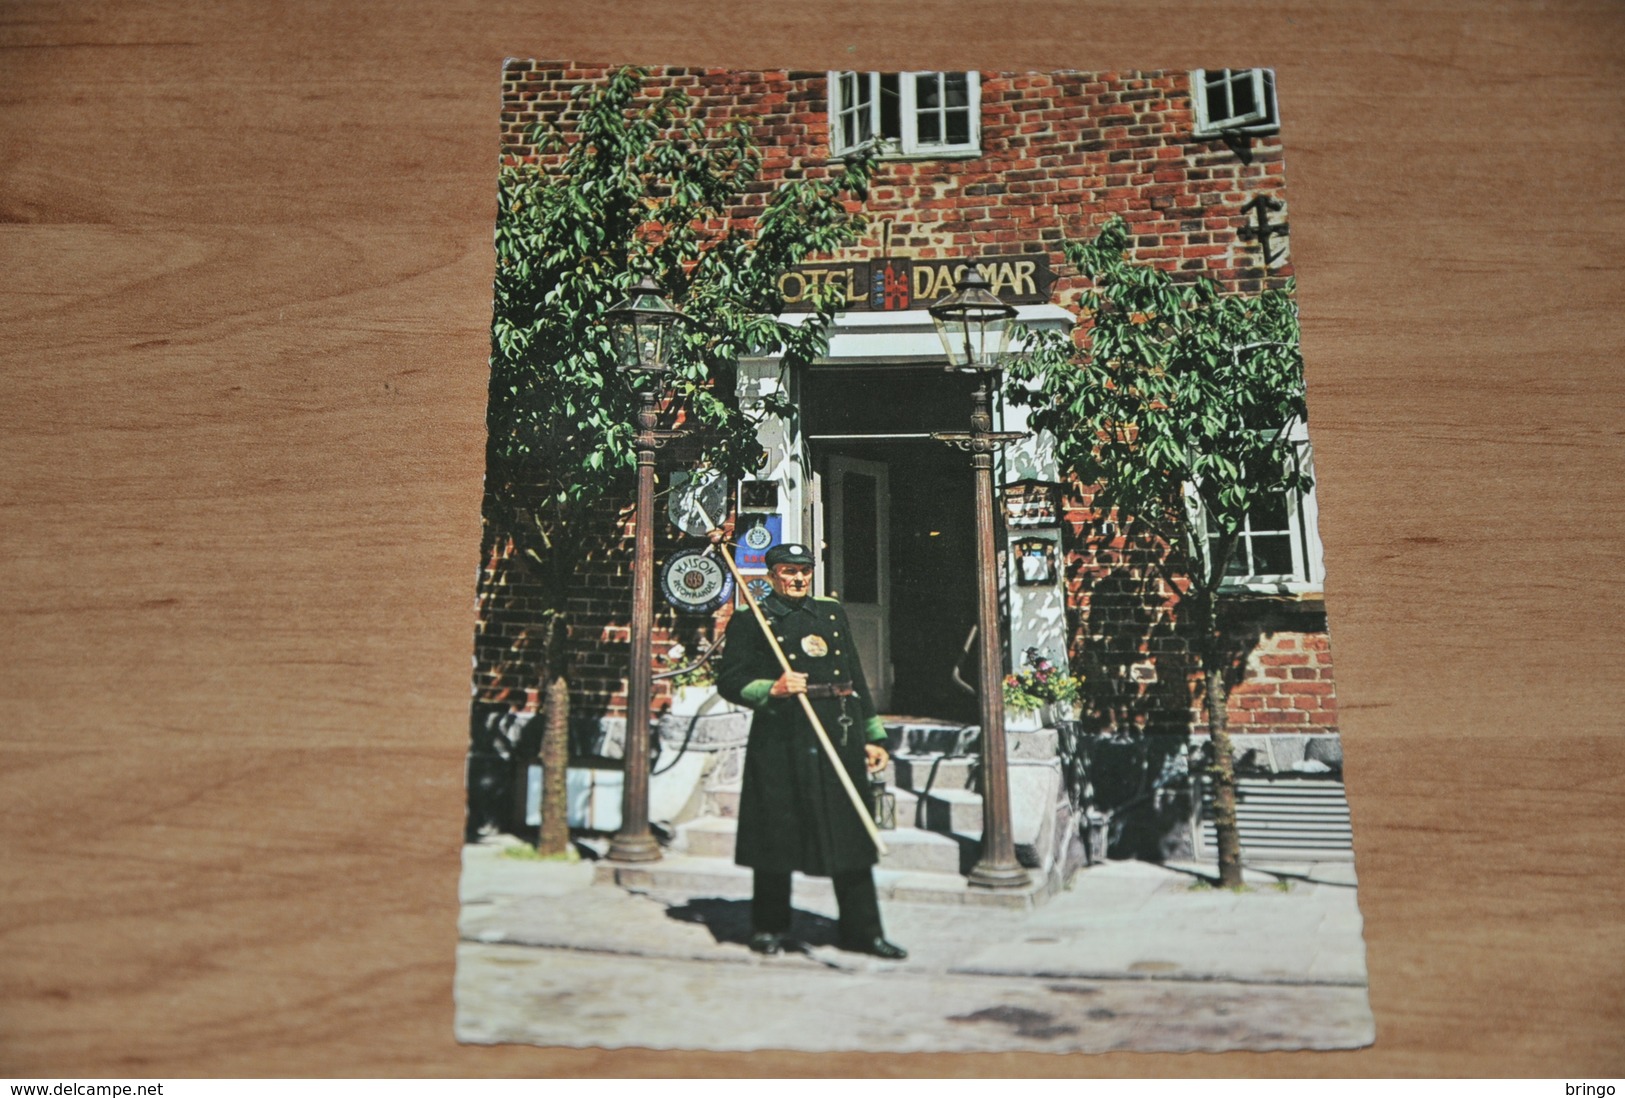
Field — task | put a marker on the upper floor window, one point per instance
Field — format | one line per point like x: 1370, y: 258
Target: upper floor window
x: 909, y: 113
x: 1234, y: 101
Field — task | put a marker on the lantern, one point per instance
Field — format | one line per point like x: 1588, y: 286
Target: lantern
x: 974, y: 325
x: 883, y: 803
x: 642, y: 328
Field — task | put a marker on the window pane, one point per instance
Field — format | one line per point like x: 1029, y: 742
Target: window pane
x: 1272, y: 555
x: 929, y: 128
x: 1218, y: 95
x: 891, y: 107
x: 956, y: 89
x: 1240, y: 563
x: 1242, y: 100
x: 860, y: 544
x: 958, y: 127
x: 854, y: 109
x: 1269, y: 514
x: 926, y: 90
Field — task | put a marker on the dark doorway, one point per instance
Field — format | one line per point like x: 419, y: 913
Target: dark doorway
x: 885, y: 415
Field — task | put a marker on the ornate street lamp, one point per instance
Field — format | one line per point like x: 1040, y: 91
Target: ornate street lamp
x: 642, y: 329
x: 974, y: 326
x: 975, y: 329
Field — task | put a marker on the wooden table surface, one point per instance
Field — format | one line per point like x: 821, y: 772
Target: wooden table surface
x: 243, y: 311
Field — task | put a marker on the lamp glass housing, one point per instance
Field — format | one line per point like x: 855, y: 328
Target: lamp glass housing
x: 974, y: 325
x: 642, y: 329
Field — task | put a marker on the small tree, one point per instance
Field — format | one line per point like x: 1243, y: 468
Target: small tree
x: 630, y: 184
x: 1177, y: 411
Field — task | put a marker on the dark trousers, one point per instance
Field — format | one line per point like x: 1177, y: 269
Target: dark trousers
x: 854, y: 895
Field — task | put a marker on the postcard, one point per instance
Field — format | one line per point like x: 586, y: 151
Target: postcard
x: 901, y: 622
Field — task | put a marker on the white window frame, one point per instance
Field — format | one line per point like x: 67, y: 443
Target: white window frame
x: 1303, y: 524
x: 907, y: 145
x: 1264, y: 120
x: 1308, y: 573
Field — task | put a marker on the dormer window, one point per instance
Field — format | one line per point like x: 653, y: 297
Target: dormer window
x: 1234, y: 101
x: 911, y: 114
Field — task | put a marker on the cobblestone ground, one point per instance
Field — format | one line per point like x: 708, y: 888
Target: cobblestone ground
x: 510, y: 993
x: 1132, y: 957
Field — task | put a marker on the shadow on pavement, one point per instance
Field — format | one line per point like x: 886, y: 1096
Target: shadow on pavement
x: 729, y: 921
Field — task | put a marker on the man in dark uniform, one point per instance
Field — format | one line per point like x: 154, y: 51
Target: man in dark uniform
x: 794, y: 814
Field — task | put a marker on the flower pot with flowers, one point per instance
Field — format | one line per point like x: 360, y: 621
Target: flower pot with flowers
x: 1040, y: 694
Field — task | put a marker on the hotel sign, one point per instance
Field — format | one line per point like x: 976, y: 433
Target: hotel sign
x: 896, y: 283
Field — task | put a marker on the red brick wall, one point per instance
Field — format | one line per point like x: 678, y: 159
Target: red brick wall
x: 1060, y: 152
x: 512, y: 596
x: 1288, y: 687
x: 1122, y: 612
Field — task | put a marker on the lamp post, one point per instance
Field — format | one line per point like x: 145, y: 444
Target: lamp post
x: 975, y: 329
x: 641, y: 328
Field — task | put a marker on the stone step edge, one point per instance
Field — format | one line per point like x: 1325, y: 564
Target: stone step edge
x: 723, y: 824
x: 719, y: 876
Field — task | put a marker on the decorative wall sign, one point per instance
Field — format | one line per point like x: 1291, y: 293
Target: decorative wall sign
x: 1033, y: 503
x: 1034, y: 561
x: 889, y: 282
x: 699, y: 500
x: 756, y: 535
x: 759, y: 587
x: 893, y: 283
x: 695, y: 582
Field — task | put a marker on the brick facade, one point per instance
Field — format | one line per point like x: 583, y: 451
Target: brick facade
x: 1060, y: 152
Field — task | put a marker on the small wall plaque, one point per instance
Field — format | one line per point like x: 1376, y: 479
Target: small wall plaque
x: 1034, y: 561
x: 758, y: 495
x: 1033, y: 503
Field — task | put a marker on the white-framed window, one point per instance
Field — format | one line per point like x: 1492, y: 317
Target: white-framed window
x: 919, y: 114
x: 1234, y: 101
x: 1279, y: 548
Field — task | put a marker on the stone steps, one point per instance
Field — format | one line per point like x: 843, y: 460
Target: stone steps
x: 939, y: 803
x: 725, y: 800
x: 726, y: 803
x: 933, y: 773
x: 689, y: 875
x: 955, y: 811
x: 908, y: 849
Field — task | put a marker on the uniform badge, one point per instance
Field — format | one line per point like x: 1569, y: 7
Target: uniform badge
x: 814, y: 645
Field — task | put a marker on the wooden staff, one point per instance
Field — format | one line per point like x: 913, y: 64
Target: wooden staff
x: 806, y: 702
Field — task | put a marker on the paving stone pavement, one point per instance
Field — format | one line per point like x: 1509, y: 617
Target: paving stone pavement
x: 1131, y: 957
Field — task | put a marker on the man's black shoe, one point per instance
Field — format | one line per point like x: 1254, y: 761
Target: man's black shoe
x: 877, y: 947
x: 765, y: 941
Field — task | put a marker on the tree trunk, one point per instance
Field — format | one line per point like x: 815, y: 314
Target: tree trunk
x: 1223, y: 772
x: 554, y: 836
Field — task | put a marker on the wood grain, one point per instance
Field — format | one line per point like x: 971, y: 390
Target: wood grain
x: 246, y: 256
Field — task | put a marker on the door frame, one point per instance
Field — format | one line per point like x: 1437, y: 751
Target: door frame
x: 865, y: 618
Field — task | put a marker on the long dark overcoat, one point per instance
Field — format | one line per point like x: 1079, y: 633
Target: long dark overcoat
x: 793, y: 813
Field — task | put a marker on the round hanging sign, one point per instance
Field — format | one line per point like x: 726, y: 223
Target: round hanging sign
x: 694, y: 582
x: 699, y: 500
